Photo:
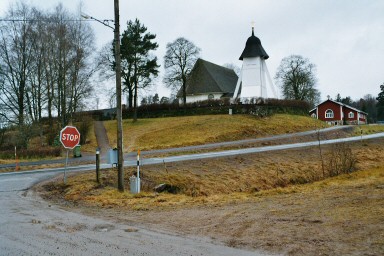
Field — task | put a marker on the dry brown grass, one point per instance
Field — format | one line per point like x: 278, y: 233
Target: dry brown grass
x: 275, y: 201
x: 91, y: 144
x: 219, y: 180
x: 368, y: 129
x: 169, y: 132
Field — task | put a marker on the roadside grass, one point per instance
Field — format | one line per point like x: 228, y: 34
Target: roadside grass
x: 91, y: 143
x: 159, y: 133
x: 223, y: 180
x: 368, y: 129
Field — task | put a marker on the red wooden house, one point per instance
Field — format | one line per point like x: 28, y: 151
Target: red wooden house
x: 337, y: 113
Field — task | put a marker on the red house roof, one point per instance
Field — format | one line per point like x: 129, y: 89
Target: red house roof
x: 338, y: 103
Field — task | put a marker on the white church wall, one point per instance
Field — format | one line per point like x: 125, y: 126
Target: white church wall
x: 200, y: 97
x: 253, y: 78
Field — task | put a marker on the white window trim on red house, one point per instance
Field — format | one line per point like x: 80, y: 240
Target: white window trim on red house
x: 330, y: 112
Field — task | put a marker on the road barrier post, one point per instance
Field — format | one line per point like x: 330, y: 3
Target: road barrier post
x: 65, y: 169
x: 98, y: 165
x: 16, y: 160
x: 138, y: 171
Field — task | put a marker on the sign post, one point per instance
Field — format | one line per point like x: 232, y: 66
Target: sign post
x: 70, y: 138
x: 138, y: 172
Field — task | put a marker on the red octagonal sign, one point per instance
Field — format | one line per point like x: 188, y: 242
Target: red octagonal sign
x: 69, y: 137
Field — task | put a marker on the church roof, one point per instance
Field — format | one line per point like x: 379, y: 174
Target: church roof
x: 207, y: 77
x: 253, y: 48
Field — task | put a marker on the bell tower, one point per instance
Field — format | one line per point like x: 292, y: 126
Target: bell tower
x: 254, y: 75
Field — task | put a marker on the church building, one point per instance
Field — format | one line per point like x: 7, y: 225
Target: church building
x: 208, y: 81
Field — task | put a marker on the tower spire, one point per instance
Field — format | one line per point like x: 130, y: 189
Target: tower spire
x: 254, y: 75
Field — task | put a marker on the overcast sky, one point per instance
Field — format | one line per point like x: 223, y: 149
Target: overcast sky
x: 343, y: 38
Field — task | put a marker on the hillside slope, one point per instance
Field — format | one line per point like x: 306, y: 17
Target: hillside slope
x: 170, y: 132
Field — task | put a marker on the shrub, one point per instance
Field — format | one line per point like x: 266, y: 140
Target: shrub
x: 340, y: 160
x: 84, y: 124
x: 31, y: 153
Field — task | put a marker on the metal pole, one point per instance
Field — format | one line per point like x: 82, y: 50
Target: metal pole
x: 361, y: 136
x: 65, y: 169
x: 120, y: 170
x: 98, y: 165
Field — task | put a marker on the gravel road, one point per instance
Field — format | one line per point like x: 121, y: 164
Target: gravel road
x: 31, y: 226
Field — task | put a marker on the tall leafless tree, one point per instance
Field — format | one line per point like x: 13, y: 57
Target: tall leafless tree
x: 296, y: 77
x: 45, y: 63
x: 16, y: 57
x: 179, y: 59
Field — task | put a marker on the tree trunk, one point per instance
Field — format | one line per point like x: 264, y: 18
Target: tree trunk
x: 130, y: 98
x: 135, y: 104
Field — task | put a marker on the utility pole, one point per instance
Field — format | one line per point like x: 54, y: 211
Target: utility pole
x: 120, y: 167
x: 116, y: 30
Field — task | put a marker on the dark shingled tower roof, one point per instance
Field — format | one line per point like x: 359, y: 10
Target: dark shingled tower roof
x: 253, y: 48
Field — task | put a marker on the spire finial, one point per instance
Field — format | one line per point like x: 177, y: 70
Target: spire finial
x: 253, y: 28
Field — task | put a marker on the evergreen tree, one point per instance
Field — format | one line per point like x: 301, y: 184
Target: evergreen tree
x: 380, y: 104
x: 138, y: 66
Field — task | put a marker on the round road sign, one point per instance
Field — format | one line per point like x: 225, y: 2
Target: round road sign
x: 69, y: 137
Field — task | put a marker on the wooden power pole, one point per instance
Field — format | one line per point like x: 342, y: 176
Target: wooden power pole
x: 120, y: 167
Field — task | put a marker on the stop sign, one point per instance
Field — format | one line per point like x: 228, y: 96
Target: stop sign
x: 69, y: 137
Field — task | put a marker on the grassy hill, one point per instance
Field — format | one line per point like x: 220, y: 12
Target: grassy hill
x: 169, y: 132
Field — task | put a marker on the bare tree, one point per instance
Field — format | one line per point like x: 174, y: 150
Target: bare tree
x: 16, y: 56
x: 45, y: 63
x: 296, y: 77
x: 179, y: 59
x: 73, y: 42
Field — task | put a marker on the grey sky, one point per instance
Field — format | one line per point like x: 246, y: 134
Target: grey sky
x: 343, y: 38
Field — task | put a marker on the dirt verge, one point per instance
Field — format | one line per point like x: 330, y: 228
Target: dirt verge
x: 342, y: 215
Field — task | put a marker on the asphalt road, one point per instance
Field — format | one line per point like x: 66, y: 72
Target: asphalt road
x: 30, y: 226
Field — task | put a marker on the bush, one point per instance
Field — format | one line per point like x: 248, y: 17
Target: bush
x: 53, y: 135
x: 84, y: 125
x: 31, y: 153
x: 259, y: 107
x: 340, y: 160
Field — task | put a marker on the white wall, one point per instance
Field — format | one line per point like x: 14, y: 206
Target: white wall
x: 253, y: 78
x: 200, y: 97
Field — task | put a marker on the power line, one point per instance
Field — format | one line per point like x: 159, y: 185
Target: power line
x: 47, y: 20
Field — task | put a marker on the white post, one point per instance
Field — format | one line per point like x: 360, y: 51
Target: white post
x: 65, y: 169
x: 138, y: 172
x: 16, y: 161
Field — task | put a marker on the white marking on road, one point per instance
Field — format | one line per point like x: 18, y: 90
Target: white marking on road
x: 16, y: 179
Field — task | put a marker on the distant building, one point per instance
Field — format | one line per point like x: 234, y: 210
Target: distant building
x: 337, y: 113
x: 208, y: 81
